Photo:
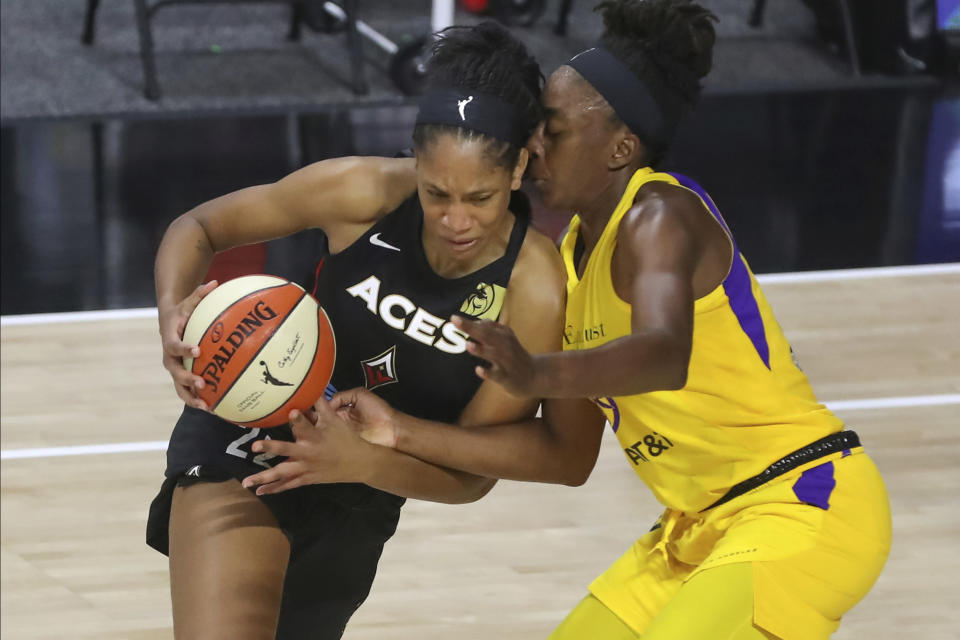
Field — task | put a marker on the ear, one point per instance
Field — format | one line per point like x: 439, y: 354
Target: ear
x: 517, y: 177
x: 627, y: 149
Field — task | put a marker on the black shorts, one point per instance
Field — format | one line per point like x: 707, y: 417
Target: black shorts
x: 336, y: 532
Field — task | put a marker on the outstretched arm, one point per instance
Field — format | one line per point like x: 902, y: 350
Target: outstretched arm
x: 329, y: 450
x: 657, y: 269
x: 560, y: 448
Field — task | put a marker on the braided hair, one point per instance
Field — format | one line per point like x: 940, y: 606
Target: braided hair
x: 668, y: 45
x: 485, y: 58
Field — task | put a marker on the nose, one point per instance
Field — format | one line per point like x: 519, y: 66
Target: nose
x: 456, y: 219
x: 535, y: 144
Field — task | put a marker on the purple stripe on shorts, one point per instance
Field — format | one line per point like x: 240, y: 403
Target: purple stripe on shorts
x: 738, y: 285
x: 815, y: 485
x: 846, y: 452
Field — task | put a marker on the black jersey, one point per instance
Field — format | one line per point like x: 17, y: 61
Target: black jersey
x: 390, y: 313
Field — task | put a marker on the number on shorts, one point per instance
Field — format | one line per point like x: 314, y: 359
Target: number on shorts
x: 234, y: 448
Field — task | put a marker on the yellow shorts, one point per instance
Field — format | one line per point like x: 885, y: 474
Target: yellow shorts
x: 715, y: 604
x: 815, y: 539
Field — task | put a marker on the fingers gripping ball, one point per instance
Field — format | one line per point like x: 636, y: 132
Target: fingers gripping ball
x: 266, y: 348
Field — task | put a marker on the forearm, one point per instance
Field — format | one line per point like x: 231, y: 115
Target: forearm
x: 183, y: 259
x: 404, y: 475
x: 527, y: 450
x: 631, y: 365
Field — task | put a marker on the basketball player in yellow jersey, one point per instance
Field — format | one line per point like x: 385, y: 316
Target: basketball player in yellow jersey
x: 776, y: 521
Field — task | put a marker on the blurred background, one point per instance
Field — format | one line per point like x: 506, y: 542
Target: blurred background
x: 828, y: 133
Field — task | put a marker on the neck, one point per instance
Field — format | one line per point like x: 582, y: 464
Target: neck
x: 594, y: 217
x: 447, y: 264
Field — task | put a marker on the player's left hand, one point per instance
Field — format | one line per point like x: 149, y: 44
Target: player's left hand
x: 507, y: 362
x: 327, y: 450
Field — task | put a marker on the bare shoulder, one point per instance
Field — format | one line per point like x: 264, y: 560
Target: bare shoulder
x: 667, y: 193
x: 539, y: 261
x: 661, y: 211
x: 398, y: 176
x: 670, y: 228
x: 662, y: 201
x: 538, y: 282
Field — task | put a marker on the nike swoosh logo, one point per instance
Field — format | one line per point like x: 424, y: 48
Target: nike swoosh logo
x: 377, y: 242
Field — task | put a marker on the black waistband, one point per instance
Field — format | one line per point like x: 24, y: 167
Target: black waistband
x: 839, y: 441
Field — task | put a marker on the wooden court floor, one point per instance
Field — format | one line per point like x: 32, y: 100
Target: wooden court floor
x: 73, y: 563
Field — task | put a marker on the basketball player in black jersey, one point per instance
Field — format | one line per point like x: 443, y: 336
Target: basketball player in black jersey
x: 410, y: 241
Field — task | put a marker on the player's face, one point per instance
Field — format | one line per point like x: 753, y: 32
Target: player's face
x: 570, y: 150
x: 465, y: 195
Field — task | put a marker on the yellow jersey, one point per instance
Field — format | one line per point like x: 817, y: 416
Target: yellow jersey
x: 746, y: 403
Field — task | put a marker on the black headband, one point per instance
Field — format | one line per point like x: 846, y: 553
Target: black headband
x: 625, y: 92
x: 478, y: 112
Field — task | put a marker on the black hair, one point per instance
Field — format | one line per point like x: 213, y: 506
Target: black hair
x: 668, y: 45
x: 485, y: 58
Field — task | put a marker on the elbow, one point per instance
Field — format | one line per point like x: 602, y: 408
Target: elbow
x: 676, y: 367
x: 666, y: 360
x: 577, y: 479
x: 475, y: 491
x: 196, y: 232
x: 187, y: 220
x: 670, y: 375
x: 578, y: 470
x: 676, y: 376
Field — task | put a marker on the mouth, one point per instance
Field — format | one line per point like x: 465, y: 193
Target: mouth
x: 537, y: 172
x: 461, y: 245
x: 538, y: 178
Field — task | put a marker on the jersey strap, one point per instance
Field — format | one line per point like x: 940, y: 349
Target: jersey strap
x: 737, y: 285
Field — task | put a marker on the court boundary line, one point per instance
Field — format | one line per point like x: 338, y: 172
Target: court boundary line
x: 770, y: 278
x: 83, y: 450
x: 77, y: 316
x: 860, y: 274
x: 860, y: 404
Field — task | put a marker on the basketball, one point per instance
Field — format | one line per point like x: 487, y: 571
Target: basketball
x: 266, y: 348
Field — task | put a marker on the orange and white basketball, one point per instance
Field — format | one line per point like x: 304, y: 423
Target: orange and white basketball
x: 266, y: 348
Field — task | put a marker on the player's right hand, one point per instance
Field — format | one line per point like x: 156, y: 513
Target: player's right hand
x: 173, y: 320
x: 368, y: 414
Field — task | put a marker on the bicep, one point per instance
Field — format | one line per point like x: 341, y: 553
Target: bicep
x: 332, y: 195
x: 244, y: 217
x: 660, y: 257
x: 666, y: 303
